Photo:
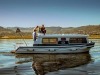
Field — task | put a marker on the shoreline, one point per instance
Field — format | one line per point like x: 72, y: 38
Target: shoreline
x: 30, y: 37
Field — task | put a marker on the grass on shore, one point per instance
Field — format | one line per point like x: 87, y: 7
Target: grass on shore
x: 30, y: 37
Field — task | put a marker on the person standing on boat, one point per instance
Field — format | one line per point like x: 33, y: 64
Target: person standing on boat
x: 36, y: 28
x: 34, y: 35
x: 38, y: 31
x: 43, y: 30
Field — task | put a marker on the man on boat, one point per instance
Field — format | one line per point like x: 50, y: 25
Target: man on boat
x: 43, y: 30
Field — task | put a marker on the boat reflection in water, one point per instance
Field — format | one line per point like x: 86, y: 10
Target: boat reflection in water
x: 44, y: 63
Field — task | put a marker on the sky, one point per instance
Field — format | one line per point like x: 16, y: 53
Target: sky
x: 63, y: 13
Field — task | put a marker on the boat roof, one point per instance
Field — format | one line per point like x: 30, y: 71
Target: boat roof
x: 62, y: 35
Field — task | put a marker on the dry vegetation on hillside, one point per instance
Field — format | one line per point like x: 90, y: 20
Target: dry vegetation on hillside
x: 92, y: 30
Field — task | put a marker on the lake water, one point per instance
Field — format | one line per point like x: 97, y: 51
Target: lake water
x: 47, y: 64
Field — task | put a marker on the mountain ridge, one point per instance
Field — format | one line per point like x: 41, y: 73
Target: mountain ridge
x: 90, y: 30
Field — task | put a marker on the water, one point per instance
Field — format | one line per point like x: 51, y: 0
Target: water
x: 47, y: 64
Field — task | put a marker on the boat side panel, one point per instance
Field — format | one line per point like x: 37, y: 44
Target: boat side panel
x: 51, y: 50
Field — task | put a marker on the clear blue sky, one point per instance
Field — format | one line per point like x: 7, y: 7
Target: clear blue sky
x: 65, y: 13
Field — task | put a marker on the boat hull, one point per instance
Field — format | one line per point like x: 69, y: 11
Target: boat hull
x: 53, y: 49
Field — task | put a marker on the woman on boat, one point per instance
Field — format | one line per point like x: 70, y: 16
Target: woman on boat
x: 34, y: 35
x: 36, y: 28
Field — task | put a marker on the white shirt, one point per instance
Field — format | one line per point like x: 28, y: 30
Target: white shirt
x: 33, y: 34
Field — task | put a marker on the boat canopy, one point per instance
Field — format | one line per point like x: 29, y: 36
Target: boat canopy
x: 62, y: 35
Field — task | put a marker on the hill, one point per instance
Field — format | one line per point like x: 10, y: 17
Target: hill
x: 5, y: 31
x: 90, y: 29
x: 10, y: 32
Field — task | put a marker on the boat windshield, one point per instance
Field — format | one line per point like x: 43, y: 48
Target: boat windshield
x: 50, y: 40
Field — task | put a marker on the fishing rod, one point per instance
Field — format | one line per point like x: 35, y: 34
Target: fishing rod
x: 23, y: 38
x: 18, y: 31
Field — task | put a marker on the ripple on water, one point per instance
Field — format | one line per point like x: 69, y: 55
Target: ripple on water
x: 11, y: 64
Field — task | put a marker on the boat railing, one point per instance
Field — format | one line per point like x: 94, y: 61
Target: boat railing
x: 40, y: 34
